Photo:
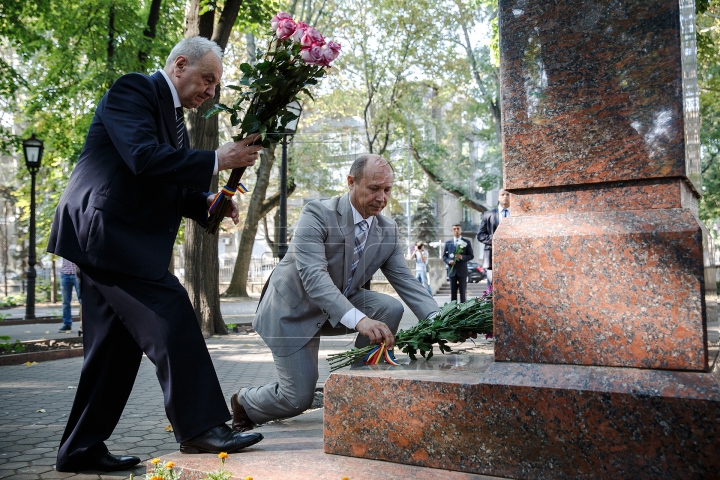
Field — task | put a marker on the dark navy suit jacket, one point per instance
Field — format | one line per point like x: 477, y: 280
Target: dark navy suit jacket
x: 132, y: 184
x: 461, y: 269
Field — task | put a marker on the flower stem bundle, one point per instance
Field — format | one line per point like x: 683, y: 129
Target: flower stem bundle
x: 297, y: 57
x: 453, y: 323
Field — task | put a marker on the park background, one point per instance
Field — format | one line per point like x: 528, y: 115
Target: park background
x: 416, y: 82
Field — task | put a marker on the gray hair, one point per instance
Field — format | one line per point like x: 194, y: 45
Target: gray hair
x: 193, y: 48
x: 357, y: 170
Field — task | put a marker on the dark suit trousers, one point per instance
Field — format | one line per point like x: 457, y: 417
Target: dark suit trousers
x: 458, y: 282
x: 123, y: 317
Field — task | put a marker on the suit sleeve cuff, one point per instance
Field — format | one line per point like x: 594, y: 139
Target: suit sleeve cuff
x: 352, y: 317
x: 215, y: 171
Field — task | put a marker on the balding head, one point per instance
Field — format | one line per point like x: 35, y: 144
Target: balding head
x: 370, y: 181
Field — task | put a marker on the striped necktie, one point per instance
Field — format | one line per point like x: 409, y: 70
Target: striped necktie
x: 357, y: 253
x: 180, y: 126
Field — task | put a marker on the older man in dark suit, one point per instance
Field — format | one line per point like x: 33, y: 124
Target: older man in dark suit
x: 457, y: 262
x: 117, y: 220
x: 491, y: 220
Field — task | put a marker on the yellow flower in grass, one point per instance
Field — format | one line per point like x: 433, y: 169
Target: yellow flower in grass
x: 156, y: 477
x: 248, y: 478
x: 222, y: 455
x: 155, y: 461
x: 345, y: 478
x: 170, y: 465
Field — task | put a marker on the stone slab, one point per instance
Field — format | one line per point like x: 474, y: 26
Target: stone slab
x: 616, y: 288
x: 293, y: 449
x: 598, y: 92
x: 522, y: 420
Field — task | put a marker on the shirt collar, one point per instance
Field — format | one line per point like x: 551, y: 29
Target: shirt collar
x: 357, y: 218
x: 176, y: 99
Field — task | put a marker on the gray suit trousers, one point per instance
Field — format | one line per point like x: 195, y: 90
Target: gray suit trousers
x: 297, y: 373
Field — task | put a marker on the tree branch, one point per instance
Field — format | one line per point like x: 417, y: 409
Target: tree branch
x: 464, y: 197
x: 274, y: 200
x: 150, y: 30
x: 221, y: 35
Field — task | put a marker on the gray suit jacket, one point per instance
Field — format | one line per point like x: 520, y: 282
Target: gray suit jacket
x: 305, y: 289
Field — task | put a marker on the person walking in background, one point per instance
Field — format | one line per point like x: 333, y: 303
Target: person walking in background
x: 68, y: 280
x: 491, y: 220
x: 458, y: 251
x: 421, y: 264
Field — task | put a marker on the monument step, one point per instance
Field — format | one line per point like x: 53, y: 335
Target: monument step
x: 293, y: 448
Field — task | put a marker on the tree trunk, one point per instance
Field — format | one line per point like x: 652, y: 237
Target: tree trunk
x: 238, y: 283
x: 202, y: 268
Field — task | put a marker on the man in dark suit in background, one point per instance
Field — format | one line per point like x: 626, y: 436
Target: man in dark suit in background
x: 117, y: 220
x: 491, y: 220
x: 458, y: 262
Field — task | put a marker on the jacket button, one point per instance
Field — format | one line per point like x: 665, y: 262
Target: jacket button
x: 171, y: 230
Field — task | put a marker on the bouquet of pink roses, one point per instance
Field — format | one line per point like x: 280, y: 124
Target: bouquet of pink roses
x: 297, y: 57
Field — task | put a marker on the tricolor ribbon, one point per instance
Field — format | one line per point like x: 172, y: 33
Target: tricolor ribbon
x: 228, y: 192
x: 374, y: 356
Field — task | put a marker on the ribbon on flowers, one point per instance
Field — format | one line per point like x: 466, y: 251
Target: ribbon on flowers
x: 374, y: 356
x: 228, y: 192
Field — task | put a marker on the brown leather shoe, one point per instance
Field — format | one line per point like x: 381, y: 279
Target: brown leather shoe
x: 240, y: 420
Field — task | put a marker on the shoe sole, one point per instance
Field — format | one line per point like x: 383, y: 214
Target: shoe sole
x: 189, y: 449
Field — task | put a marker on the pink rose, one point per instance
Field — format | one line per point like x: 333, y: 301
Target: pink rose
x: 313, y: 55
x: 312, y: 37
x: 285, y: 29
x: 331, y: 52
x: 300, y: 28
x: 276, y: 19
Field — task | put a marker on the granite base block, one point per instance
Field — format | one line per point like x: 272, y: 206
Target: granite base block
x: 616, y: 288
x: 523, y: 420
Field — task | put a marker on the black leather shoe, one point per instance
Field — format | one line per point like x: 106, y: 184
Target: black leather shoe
x: 105, y: 463
x: 240, y: 421
x: 220, y: 439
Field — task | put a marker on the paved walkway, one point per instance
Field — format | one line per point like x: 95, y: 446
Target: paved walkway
x: 35, y: 400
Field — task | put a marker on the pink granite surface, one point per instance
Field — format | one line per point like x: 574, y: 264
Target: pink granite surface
x: 616, y: 288
x: 522, y: 420
x: 596, y: 91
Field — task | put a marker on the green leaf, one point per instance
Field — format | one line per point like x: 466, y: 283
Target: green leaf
x: 246, y: 68
x: 234, y: 87
x: 215, y: 109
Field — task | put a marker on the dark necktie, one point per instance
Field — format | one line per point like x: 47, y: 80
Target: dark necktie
x: 180, y: 125
x: 357, y: 253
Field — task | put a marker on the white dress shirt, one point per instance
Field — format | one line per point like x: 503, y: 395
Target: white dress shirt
x: 353, y: 316
x: 176, y: 104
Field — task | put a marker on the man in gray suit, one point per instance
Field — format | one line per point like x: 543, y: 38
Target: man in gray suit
x: 316, y: 290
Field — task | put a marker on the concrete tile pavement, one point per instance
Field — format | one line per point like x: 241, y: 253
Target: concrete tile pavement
x: 36, y: 400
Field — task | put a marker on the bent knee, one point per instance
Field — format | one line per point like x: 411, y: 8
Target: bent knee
x: 303, y: 402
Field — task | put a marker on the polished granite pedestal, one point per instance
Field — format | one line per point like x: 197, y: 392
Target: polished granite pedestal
x: 527, y: 420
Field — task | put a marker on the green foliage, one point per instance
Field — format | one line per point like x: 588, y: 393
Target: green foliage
x: 708, y: 39
x: 14, y: 347
x: 67, y: 58
x: 13, y: 301
x: 424, y: 221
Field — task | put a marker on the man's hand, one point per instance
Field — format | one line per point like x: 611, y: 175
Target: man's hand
x: 458, y: 256
x: 375, y: 331
x: 238, y: 154
x: 233, y: 212
x: 451, y: 262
